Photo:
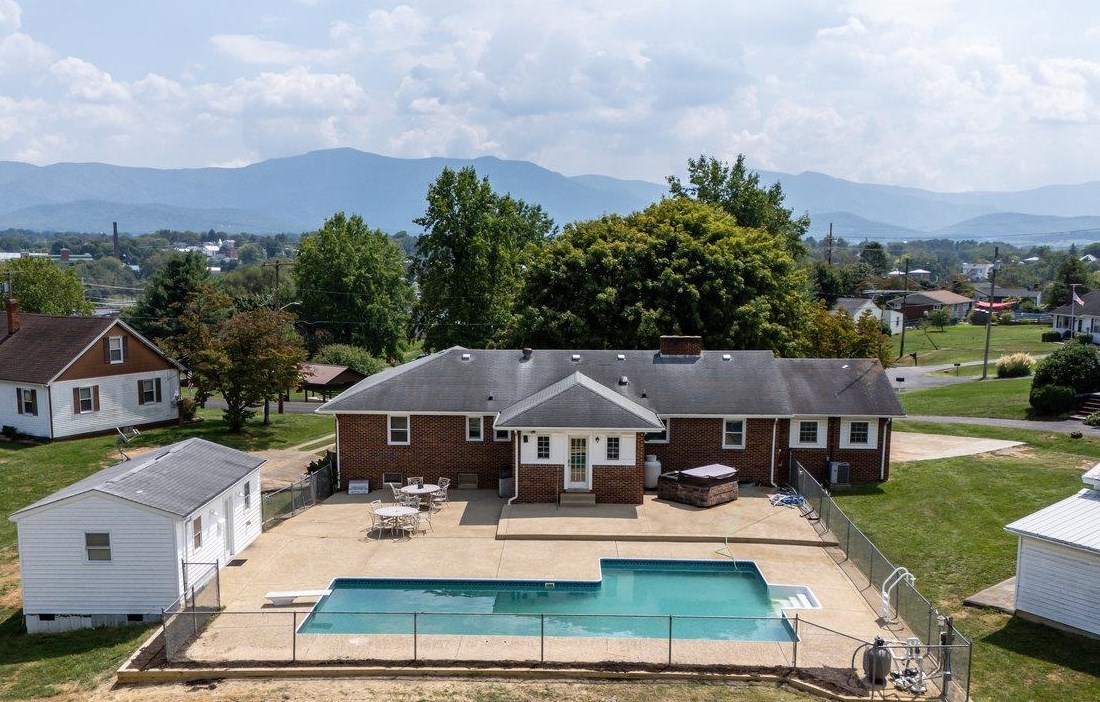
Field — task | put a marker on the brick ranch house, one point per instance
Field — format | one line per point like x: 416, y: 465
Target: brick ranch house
x: 585, y: 420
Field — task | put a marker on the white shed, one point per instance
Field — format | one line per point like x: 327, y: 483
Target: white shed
x: 1058, y: 561
x: 120, y: 545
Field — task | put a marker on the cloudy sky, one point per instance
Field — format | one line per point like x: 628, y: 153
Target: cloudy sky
x: 975, y: 94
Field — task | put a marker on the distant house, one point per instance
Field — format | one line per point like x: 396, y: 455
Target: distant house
x: 1079, y: 319
x: 857, y: 306
x: 977, y: 271
x: 1088, y: 258
x: 68, y: 376
x: 916, y: 305
x: 123, y: 543
x: 916, y: 275
x: 1058, y: 561
x: 584, y: 420
x: 1000, y: 294
x: 325, y: 379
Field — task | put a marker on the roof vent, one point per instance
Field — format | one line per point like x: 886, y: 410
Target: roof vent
x: 575, y: 358
x: 726, y: 357
x: 465, y: 357
x: 623, y: 380
x: 620, y: 356
x: 527, y: 351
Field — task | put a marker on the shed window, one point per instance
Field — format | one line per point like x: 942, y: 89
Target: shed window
x: 542, y: 447
x: 473, y: 429
x: 733, y: 433
x: 399, y: 429
x: 248, y: 494
x: 27, y: 400
x: 196, y: 532
x: 97, y: 544
x: 612, y: 448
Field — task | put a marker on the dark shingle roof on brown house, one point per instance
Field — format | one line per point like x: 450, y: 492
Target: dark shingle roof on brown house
x: 45, y: 344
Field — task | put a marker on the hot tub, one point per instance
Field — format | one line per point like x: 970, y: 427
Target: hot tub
x: 704, y: 486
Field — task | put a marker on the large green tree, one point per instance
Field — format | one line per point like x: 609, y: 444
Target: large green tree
x: 159, y: 311
x: 738, y: 191
x: 43, y: 287
x: 353, y: 287
x: 251, y: 357
x: 678, y: 267
x: 467, y: 260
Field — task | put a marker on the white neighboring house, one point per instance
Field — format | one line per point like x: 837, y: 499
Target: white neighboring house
x: 68, y: 376
x: 1058, y: 561
x: 1079, y: 318
x: 977, y: 272
x: 111, y: 548
x: 856, y: 306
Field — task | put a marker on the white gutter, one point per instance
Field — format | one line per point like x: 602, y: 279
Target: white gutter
x: 882, y: 463
x: 771, y: 475
x: 515, y: 472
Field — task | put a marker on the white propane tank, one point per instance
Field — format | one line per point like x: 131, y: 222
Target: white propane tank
x: 652, y: 471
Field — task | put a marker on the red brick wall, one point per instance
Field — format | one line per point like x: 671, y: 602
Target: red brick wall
x: 540, y: 482
x: 698, y: 442
x: 681, y: 345
x: 437, y: 448
x: 865, y: 463
x: 619, y: 484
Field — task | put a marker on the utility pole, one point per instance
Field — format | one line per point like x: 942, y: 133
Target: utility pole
x: 904, y: 299
x: 277, y: 263
x: 829, y: 246
x: 989, y: 312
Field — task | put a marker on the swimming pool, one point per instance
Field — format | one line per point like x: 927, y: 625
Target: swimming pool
x: 636, y: 598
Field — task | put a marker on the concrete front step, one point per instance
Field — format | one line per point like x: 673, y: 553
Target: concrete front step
x: 577, y: 499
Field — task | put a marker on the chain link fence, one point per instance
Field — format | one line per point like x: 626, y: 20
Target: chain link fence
x: 188, y: 616
x: 869, y: 569
x: 286, y: 502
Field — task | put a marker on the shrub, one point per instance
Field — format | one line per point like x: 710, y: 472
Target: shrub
x: 188, y: 408
x: 1051, y: 336
x: 1005, y: 317
x: 1076, y: 366
x: 1093, y: 420
x: 1075, y: 434
x: 1015, y: 365
x: 350, y: 356
x: 9, y: 432
x: 1083, y: 338
x: 1066, y: 334
x: 1051, y: 399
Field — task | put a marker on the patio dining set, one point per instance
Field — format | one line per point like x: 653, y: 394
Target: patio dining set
x: 410, y: 512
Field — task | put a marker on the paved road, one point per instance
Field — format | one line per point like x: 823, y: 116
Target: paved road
x: 1064, y: 426
x: 288, y: 407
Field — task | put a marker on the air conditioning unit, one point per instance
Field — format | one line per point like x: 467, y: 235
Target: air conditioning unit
x: 838, y: 472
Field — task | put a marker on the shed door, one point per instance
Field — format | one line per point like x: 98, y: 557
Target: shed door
x: 230, y: 547
x: 577, y: 470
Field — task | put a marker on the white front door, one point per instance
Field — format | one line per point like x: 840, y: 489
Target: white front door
x: 577, y: 471
x: 228, y: 531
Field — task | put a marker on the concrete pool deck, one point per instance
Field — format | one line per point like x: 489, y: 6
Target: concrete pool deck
x: 331, y: 540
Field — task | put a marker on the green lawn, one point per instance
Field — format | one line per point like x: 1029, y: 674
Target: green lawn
x: 1005, y: 399
x: 944, y: 521
x: 966, y: 342
x: 45, y: 665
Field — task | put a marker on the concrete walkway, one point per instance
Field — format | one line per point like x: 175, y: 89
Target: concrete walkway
x: 1064, y: 426
x: 910, y: 446
x: 1001, y: 596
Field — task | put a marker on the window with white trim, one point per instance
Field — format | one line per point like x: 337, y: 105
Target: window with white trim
x: 27, y: 400
x: 97, y: 545
x: 733, y: 433
x: 613, y: 446
x: 399, y: 429
x: 474, y: 428
x: 808, y: 433
x: 85, y: 401
x: 658, y: 437
x: 542, y: 447
x: 148, y: 391
x: 247, y: 494
x: 196, y: 533
x: 114, y: 349
x: 859, y: 433
x: 501, y: 434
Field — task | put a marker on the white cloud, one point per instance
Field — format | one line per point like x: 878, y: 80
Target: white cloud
x: 11, y: 16
x: 248, y: 48
x: 851, y: 27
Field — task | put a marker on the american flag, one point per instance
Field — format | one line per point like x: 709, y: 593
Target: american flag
x: 190, y: 381
x: 1077, y: 299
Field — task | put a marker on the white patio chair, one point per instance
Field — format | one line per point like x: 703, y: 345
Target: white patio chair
x: 377, y: 521
x: 410, y: 524
x: 422, y: 519
x: 439, y: 498
x: 411, y: 500
x: 414, y: 481
x: 398, y: 496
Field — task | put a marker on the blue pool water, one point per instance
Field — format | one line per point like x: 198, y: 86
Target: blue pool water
x: 707, y: 600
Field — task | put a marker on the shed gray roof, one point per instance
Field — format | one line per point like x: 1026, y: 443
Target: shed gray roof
x: 577, y: 401
x: 749, y: 383
x: 852, y: 305
x: 1073, y: 522
x: 177, y: 479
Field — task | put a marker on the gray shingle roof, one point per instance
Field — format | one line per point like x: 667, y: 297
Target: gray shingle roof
x: 749, y: 383
x: 852, y: 305
x: 1091, y: 306
x: 577, y: 401
x: 178, y: 479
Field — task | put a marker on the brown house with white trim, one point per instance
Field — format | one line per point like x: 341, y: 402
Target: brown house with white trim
x: 71, y: 376
x: 585, y: 420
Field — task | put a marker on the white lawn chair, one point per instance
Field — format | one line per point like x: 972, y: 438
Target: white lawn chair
x: 377, y: 521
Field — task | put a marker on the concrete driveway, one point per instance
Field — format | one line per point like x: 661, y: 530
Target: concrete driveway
x: 910, y: 446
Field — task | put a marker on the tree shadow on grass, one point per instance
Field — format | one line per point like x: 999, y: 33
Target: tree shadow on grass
x: 1045, y: 643
x: 17, y: 646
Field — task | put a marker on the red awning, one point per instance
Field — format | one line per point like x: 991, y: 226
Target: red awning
x: 995, y: 305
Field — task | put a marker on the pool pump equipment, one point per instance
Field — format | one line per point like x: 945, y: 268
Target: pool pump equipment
x: 909, y: 665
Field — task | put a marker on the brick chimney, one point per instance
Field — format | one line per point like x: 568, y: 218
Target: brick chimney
x: 13, y: 315
x: 681, y: 345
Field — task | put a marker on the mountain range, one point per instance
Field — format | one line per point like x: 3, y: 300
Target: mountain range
x: 296, y: 194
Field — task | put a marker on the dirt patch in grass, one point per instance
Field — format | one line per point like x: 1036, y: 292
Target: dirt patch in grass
x: 10, y: 598
x: 1012, y: 451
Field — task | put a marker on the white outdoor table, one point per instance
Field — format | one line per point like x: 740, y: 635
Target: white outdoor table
x: 396, y: 511
x: 425, y: 489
